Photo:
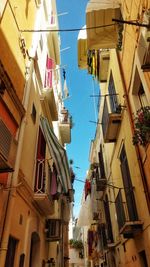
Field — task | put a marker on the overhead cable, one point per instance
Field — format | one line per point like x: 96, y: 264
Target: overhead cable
x: 69, y: 30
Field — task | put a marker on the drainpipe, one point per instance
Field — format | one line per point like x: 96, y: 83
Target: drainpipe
x: 12, y: 194
x: 142, y: 172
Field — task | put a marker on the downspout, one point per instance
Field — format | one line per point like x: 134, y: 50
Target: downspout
x: 12, y: 195
x: 142, y: 172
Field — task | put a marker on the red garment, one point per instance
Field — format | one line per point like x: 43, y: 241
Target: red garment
x: 49, y: 72
x: 87, y: 188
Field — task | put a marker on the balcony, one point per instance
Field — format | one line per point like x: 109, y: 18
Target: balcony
x: 128, y: 222
x: 49, y: 104
x: 8, y: 149
x: 65, y: 126
x: 42, y: 194
x: 101, y: 184
x: 100, y: 179
x: 98, y: 15
x: 111, y: 120
x: 53, y: 230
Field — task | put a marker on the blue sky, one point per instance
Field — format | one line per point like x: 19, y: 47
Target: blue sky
x: 80, y: 85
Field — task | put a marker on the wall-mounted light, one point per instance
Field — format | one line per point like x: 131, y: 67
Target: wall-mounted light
x: 51, y: 262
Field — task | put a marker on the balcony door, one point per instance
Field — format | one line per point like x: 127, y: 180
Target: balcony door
x: 40, y: 164
x: 112, y: 94
x: 10, y: 257
x: 108, y: 220
x: 34, y: 250
x: 128, y: 188
x: 101, y: 163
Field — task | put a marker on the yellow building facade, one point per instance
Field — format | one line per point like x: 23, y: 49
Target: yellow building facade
x: 119, y: 159
x: 36, y: 188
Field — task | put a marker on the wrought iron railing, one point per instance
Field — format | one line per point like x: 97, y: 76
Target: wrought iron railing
x: 64, y: 116
x: 126, y: 210
x: 105, y: 117
x: 40, y: 179
x: 110, y: 110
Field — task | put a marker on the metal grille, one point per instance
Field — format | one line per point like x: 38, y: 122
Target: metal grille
x: 5, y: 140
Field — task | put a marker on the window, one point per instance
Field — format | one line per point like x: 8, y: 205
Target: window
x: 138, y: 91
x: 21, y: 261
x: 120, y: 210
x: 101, y: 163
x: 108, y: 220
x: 33, y: 114
x: 53, y: 229
x: 40, y: 165
x: 142, y: 97
x: 112, y: 94
x: 128, y: 188
x: 143, y: 259
x: 2, y: 87
x: 10, y: 257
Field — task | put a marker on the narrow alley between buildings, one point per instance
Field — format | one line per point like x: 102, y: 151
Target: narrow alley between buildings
x: 51, y: 214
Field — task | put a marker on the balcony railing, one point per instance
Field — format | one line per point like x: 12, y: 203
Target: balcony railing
x: 111, y: 120
x: 65, y: 126
x: 53, y: 230
x: 128, y: 221
x: 42, y: 187
x: 100, y: 180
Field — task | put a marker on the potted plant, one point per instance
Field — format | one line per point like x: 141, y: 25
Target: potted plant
x: 77, y: 244
x: 142, y: 127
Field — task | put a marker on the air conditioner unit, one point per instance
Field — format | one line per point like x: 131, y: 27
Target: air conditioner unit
x: 8, y: 149
x: 53, y: 230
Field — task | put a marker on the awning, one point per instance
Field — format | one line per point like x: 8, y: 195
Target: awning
x: 105, y: 4
x: 58, y: 154
x: 99, y: 15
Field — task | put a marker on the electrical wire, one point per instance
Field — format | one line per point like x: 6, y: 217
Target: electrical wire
x: 69, y: 30
x: 79, y: 180
x: 116, y: 21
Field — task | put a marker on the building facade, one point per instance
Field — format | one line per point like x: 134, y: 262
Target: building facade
x: 36, y: 187
x: 119, y: 154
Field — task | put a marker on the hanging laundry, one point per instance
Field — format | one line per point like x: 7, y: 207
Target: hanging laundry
x: 49, y: 72
x: 65, y: 89
x: 87, y: 188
